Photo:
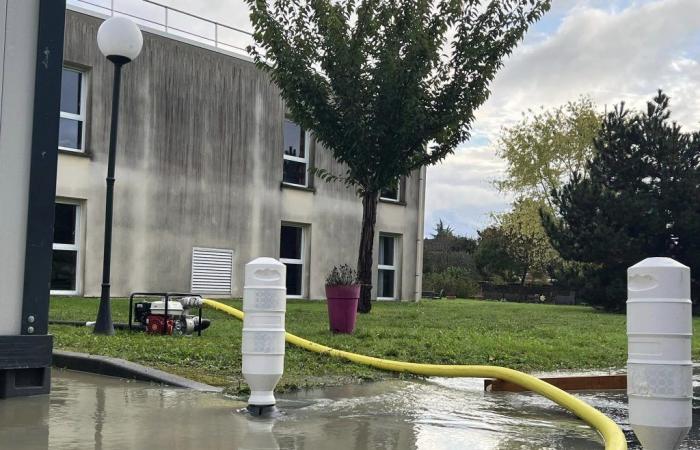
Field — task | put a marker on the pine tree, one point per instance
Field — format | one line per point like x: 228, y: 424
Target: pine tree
x: 443, y: 231
x: 641, y: 198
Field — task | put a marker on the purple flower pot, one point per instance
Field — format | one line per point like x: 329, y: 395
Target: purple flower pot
x: 342, y: 307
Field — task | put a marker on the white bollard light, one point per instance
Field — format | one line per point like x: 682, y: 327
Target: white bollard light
x: 264, y: 304
x: 659, y: 365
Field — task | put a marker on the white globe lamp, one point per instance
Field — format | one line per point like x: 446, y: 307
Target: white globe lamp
x: 119, y: 39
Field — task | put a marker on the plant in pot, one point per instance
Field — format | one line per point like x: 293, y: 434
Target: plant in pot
x: 342, y: 292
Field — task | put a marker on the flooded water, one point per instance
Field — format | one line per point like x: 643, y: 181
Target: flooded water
x: 91, y: 412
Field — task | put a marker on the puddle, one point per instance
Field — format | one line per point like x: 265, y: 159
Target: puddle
x: 89, y: 411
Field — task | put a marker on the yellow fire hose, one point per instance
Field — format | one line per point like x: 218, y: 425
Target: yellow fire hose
x: 611, y: 433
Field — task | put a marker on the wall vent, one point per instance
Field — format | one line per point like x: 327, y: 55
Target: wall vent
x: 212, y: 270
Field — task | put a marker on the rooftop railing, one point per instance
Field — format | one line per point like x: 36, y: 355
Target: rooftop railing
x: 173, y: 21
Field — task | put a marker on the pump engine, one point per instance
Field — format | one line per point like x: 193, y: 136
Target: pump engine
x: 156, y: 318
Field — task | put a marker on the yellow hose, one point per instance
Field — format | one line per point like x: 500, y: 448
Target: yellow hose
x: 611, y: 433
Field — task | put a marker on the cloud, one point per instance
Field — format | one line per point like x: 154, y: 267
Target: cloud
x: 228, y: 12
x: 460, y: 191
x: 612, y: 56
x: 613, y: 51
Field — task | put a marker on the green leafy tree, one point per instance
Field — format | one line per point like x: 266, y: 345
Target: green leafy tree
x: 388, y: 86
x: 492, y: 258
x: 640, y: 198
x: 545, y: 148
x: 516, y: 246
x: 527, y: 243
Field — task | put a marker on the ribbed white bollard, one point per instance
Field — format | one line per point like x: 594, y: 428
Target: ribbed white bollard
x: 659, y: 365
x: 264, y: 304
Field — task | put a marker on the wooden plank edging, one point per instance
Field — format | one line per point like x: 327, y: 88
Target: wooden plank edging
x: 573, y: 383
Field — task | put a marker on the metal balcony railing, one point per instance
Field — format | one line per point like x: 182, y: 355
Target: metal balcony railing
x: 173, y: 21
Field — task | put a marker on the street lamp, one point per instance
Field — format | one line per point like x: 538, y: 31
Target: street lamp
x: 120, y: 40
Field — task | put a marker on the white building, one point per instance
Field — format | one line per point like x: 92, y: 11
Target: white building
x: 210, y: 174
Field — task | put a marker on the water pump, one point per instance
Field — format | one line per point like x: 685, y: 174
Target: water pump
x: 170, y: 316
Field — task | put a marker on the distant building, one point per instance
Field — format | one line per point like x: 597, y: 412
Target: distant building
x: 210, y: 174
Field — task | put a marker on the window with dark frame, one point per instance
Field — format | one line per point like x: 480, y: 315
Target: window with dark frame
x: 386, y: 277
x: 296, y: 155
x: 292, y: 255
x: 391, y: 194
x: 71, y: 136
x: 66, y: 241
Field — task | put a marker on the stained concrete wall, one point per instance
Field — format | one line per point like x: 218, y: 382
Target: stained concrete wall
x: 199, y: 164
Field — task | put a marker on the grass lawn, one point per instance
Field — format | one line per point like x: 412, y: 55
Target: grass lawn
x: 527, y: 337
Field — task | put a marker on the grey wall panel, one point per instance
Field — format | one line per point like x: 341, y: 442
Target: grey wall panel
x: 18, y: 68
x: 3, y: 23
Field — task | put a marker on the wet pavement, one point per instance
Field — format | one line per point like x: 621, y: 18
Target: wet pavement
x: 92, y: 412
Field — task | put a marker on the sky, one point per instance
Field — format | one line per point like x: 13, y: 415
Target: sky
x: 609, y: 50
x: 612, y: 51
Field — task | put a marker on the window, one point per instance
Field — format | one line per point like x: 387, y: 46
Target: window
x: 391, y: 194
x: 66, y: 242
x: 212, y: 271
x: 386, y: 277
x: 296, y: 154
x: 71, y: 135
x: 292, y: 255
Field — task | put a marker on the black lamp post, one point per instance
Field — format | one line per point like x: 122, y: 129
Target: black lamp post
x: 120, y: 40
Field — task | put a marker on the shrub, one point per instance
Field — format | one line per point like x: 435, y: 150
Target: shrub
x: 342, y: 275
x: 455, y: 281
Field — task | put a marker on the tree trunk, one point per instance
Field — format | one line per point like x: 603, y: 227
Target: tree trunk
x: 524, y: 276
x: 364, y: 260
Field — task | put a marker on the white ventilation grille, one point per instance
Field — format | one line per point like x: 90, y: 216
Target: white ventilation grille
x: 211, y: 271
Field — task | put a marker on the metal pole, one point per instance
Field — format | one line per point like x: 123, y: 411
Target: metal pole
x: 199, y: 332
x: 131, y: 309
x: 104, y: 324
x: 165, y: 324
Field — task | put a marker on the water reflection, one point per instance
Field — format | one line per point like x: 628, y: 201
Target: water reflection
x: 259, y: 435
x: 86, y: 411
x: 24, y: 422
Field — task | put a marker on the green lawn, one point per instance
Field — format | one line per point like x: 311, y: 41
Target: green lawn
x: 527, y: 337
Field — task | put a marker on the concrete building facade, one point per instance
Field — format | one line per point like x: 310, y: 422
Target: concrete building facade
x: 210, y: 174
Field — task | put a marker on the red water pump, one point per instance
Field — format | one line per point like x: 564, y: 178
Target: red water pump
x: 156, y: 322
x: 170, y: 316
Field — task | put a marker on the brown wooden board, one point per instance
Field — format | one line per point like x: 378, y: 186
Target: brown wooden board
x: 579, y: 383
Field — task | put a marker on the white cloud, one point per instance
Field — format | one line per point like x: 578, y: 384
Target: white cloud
x: 461, y: 191
x: 612, y: 52
x: 611, y: 55
x: 228, y: 12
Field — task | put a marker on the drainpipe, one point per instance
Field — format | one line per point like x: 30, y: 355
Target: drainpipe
x: 420, y: 229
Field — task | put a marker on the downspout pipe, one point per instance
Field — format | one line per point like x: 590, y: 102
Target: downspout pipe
x: 420, y: 230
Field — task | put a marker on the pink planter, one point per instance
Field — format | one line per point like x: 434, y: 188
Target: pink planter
x: 342, y: 307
